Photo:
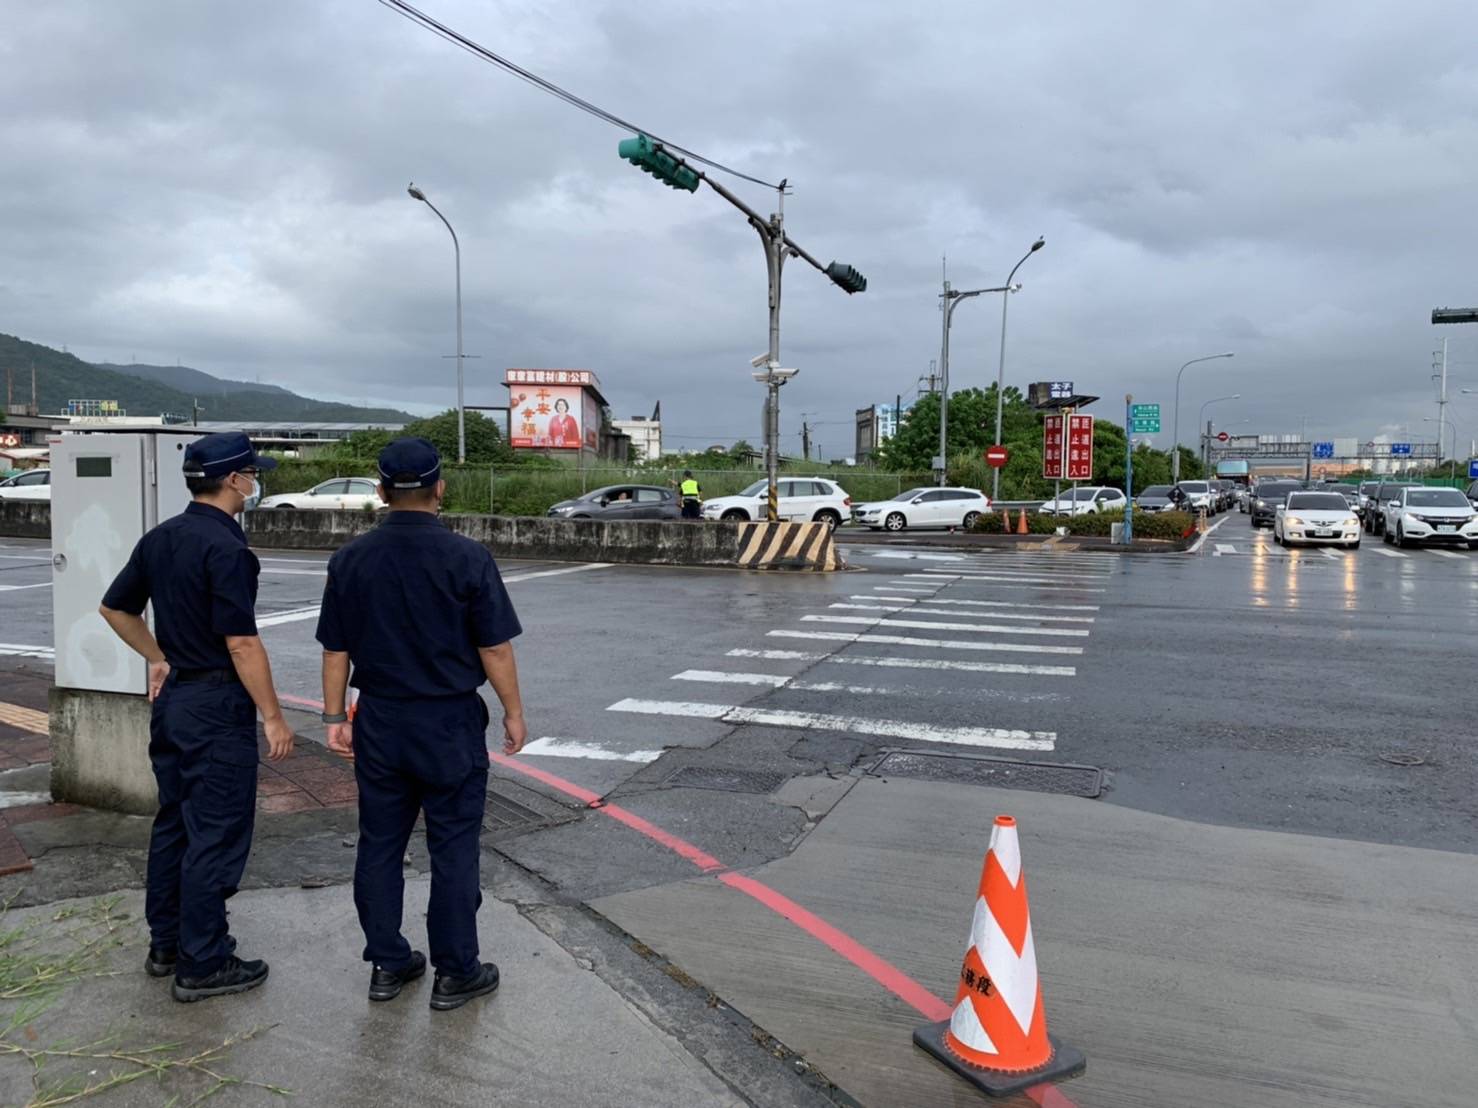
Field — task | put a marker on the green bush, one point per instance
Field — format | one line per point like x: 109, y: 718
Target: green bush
x: 992, y: 523
x: 1147, y: 525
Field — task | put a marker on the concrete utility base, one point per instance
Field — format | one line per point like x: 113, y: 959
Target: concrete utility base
x: 1347, y: 976
x: 554, y: 1034
x: 100, y: 751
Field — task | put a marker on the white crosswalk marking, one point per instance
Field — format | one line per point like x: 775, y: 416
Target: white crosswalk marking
x: 1387, y: 552
x: 571, y: 748
x: 1330, y: 554
x: 929, y: 625
x: 1444, y: 554
x: 1224, y: 548
x: 778, y: 655
x: 987, y: 603
x: 996, y: 737
x: 1035, y: 584
x: 957, y: 612
x: 948, y: 663
x: 938, y: 644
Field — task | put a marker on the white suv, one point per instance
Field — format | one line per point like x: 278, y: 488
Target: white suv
x: 340, y: 494
x: 801, y: 498
x: 34, y: 484
x: 1085, y: 500
x: 925, y: 507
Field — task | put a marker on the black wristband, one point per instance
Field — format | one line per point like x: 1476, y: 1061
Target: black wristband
x: 335, y: 717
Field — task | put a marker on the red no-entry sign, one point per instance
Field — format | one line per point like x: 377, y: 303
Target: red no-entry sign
x: 1222, y: 436
x: 997, y: 456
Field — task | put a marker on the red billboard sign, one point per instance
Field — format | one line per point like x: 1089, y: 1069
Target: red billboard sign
x: 547, y: 418
x: 1053, y: 445
x: 1080, y: 448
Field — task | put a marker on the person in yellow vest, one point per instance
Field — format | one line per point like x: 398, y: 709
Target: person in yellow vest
x: 692, y: 496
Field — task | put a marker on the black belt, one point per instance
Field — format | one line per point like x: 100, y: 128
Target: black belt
x: 213, y: 676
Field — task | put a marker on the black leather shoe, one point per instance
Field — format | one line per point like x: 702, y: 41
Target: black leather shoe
x: 234, y: 976
x: 385, y: 983
x: 453, y: 992
x: 161, y: 960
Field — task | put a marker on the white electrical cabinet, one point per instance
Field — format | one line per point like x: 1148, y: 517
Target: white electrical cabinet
x: 107, y: 489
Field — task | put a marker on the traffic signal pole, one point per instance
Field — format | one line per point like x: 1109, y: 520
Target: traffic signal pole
x: 653, y: 158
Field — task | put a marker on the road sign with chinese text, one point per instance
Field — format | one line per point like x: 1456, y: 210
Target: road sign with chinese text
x: 1401, y: 449
x: 1054, y: 445
x: 1061, y: 390
x: 1145, y: 419
x: 1323, y: 449
x: 1080, y: 448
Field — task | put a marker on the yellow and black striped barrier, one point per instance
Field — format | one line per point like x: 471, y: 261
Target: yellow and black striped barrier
x: 807, y: 546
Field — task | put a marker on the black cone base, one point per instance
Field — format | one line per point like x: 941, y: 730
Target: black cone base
x: 1065, y: 1062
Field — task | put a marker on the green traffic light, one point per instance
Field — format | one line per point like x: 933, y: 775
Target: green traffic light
x: 648, y: 156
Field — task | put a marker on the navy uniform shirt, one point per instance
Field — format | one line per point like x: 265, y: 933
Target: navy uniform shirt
x: 202, y: 580
x: 410, y: 603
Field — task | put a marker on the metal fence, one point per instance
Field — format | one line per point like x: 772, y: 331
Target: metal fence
x: 528, y: 490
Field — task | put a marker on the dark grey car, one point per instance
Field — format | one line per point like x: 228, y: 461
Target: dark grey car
x: 621, y: 502
x: 1266, y: 499
x: 1375, y: 508
x: 1156, y: 498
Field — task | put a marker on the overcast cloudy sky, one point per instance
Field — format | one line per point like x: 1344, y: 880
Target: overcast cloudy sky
x: 225, y: 184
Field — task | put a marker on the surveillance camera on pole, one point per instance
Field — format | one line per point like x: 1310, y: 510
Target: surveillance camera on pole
x: 760, y: 360
x: 777, y: 375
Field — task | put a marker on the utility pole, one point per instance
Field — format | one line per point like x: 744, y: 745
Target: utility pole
x: 805, y: 439
x: 195, y: 410
x: 1442, y: 403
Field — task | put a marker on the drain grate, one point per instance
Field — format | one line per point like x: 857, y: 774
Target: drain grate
x: 727, y: 780
x: 503, y: 813
x: 1064, y: 779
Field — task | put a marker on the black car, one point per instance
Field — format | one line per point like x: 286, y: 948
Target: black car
x: 1156, y: 498
x: 1473, y: 494
x: 1267, y: 498
x: 1374, y: 519
x: 621, y: 502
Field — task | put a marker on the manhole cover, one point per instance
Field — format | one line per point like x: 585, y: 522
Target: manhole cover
x: 727, y: 780
x: 503, y: 813
x: 1002, y: 773
x: 1400, y: 758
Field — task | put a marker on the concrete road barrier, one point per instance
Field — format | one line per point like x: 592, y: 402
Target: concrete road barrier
x: 25, y: 519
x: 806, y: 546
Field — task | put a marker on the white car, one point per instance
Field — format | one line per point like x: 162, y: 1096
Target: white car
x: 1431, y: 515
x: 340, y: 494
x: 34, y: 484
x: 1307, y: 517
x: 1085, y: 500
x: 800, y: 498
x: 926, y: 507
x: 1199, y: 496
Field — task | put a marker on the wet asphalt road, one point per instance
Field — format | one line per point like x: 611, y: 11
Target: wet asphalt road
x: 1244, y: 685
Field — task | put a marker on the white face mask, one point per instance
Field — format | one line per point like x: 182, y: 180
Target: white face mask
x: 256, y: 492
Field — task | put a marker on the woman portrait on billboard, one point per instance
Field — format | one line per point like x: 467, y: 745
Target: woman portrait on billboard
x: 563, y: 428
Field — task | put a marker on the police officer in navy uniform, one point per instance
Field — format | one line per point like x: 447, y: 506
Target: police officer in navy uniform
x: 208, y: 678
x: 424, y: 618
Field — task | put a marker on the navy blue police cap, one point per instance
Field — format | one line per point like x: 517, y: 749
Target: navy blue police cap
x: 223, y: 453
x: 409, y: 464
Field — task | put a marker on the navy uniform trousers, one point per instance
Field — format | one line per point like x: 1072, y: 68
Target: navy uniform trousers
x: 203, y: 747
x: 410, y: 756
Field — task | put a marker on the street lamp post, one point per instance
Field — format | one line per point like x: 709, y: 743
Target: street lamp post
x: 1175, y: 422
x: 952, y: 298
x: 1449, y: 425
x: 1206, y: 432
x: 417, y: 194
x: 995, y: 484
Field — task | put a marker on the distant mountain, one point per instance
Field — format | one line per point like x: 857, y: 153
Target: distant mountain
x: 184, y: 379
x: 153, y: 390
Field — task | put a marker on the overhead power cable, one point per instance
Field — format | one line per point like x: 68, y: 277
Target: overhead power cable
x: 441, y: 30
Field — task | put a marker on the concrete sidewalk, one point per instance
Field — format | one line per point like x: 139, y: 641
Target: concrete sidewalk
x: 554, y: 1034
x: 1193, y: 964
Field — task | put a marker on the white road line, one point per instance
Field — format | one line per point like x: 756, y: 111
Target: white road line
x: 292, y: 615
x: 904, y: 588
x: 1330, y: 554
x: 987, y: 603
x: 941, y: 644
x: 1025, y: 573
x: 1387, y: 553
x: 930, y: 625
x: 1195, y: 547
x: 995, y: 586
x: 921, y: 557
x: 967, y: 667
x: 296, y: 572
x: 996, y: 737
x: 296, y: 615
x: 778, y: 655
x: 1439, y: 553
x: 957, y: 612
x: 556, y: 572
x: 1007, y: 581
x: 47, y: 585
x: 569, y: 748
x: 1224, y: 548
x: 18, y: 650
x: 40, y: 559
x: 713, y: 676
x: 294, y: 561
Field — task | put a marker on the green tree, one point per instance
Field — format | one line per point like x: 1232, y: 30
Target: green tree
x: 485, y: 442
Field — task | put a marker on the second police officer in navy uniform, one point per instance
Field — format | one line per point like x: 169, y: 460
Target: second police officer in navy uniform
x: 424, y: 618
x: 208, y: 678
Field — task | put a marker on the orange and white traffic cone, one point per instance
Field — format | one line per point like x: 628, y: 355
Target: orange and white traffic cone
x: 1005, y: 521
x: 996, y: 1038
x: 1021, y: 523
